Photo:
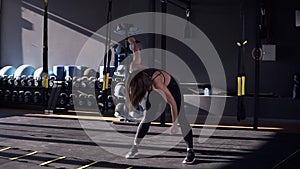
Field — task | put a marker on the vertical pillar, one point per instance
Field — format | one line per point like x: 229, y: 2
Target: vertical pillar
x: 45, y: 55
x: 163, y: 48
x: 257, y: 54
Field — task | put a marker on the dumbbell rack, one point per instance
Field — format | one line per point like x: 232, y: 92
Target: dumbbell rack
x: 23, y: 97
x: 79, y: 94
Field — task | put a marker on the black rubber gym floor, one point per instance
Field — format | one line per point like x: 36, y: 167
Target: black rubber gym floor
x: 29, y: 140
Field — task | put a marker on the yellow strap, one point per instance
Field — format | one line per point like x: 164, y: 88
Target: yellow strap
x: 239, y: 90
x: 29, y: 154
x: 104, y: 82
x: 51, y: 161
x: 238, y: 44
x: 4, y: 149
x: 88, y: 165
x: 107, y: 80
x: 243, y: 85
x: 45, y: 80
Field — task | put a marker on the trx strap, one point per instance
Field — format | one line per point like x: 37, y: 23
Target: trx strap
x: 45, y: 54
x: 241, y: 77
x: 107, y: 59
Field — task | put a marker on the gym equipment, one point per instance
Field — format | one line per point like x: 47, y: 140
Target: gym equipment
x: 82, y: 98
x: 91, y: 82
x: 7, y: 70
x: 80, y: 70
x: 68, y: 82
x: 90, y: 100
x: 121, y: 112
x: 70, y: 70
x: 99, y: 84
x: 107, y: 59
x: 20, y: 81
x: 38, y: 82
x: 63, y: 99
x: 295, y: 87
x: 110, y: 102
x: 76, y: 82
x: 119, y: 90
x: 37, y: 97
x: 1, y: 95
x: 84, y: 82
x: 24, y: 70
x: 71, y: 99
x: 16, y: 81
x: 59, y: 72
x: 9, y: 80
x: 27, y: 97
x: 7, y: 96
x: 14, y: 96
x: 21, y: 96
x: 241, y: 77
x: 30, y: 80
x: 38, y: 73
x: 52, y: 80
x: 89, y: 72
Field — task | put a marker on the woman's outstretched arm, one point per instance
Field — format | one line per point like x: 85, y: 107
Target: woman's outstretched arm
x: 137, y: 60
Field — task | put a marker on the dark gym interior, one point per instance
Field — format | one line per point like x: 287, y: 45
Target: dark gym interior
x: 44, y: 92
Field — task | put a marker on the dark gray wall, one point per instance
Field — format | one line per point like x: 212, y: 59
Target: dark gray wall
x: 220, y: 22
x: 218, y: 19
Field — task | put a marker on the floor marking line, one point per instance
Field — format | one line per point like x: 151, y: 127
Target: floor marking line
x: 4, y: 149
x: 51, y: 161
x: 26, y: 155
x: 88, y: 165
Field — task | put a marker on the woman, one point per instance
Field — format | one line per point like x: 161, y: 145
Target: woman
x: 150, y: 79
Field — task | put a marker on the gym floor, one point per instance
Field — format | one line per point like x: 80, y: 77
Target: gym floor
x: 29, y: 139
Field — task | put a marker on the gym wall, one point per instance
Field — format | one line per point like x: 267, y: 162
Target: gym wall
x: 69, y: 28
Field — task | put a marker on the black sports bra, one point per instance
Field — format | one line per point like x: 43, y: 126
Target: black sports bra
x: 151, y: 71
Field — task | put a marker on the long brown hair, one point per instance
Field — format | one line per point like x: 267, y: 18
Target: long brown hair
x: 139, y: 84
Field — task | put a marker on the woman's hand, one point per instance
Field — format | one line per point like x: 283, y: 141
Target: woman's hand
x: 133, y: 46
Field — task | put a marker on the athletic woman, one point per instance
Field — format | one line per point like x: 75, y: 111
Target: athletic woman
x: 143, y: 83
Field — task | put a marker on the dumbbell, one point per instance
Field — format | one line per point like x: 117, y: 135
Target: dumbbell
x: 1, y: 94
x: 63, y: 99
x: 98, y: 84
x: 110, y: 102
x: 84, y: 82
x: 23, y: 81
x: 76, y: 82
x: 38, y: 82
x: 30, y: 80
x: 90, y: 100
x: 52, y: 81
x: 82, y: 98
x: 92, y: 82
x: 9, y: 80
x: 21, y: 96
x: 7, y: 96
x: 14, y: 96
x: 27, y: 97
x: 1, y: 80
x: 68, y: 82
x: 37, y: 97
x: 72, y: 97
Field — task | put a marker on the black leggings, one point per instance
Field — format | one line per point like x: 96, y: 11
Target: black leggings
x: 184, y: 124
